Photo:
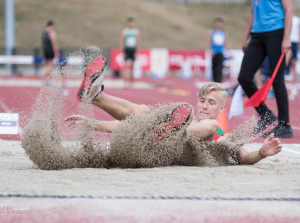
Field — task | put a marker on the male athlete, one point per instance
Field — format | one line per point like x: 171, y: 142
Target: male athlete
x: 130, y: 42
x: 211, y: 101
x: 50, y: 49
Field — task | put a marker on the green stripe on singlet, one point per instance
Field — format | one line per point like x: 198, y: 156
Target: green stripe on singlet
x: 220, y: 131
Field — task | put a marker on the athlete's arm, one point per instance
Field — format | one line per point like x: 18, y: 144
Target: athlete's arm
x: 248, y: 29
x: 53, y: 39
x: 122, y: 38
x: 139, y: 41
x: 103, y: 126
x: 138, y: 44
x: 288, y: 11
x: 106, y: 126
x: 205, y: 129
x: 209, y: 41
x: 270, y: 147
x: 226, y: 41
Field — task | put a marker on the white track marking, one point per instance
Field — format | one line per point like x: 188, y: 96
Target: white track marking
x: 295, y: 127
x: 6, y: 109
x: 290, y: 150
x: 4, y: 106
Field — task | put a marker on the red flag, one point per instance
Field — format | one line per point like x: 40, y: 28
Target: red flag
x: 260, y: 96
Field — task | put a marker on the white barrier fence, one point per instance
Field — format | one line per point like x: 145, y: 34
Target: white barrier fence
x: 19, y: 59
x: 232, y: 64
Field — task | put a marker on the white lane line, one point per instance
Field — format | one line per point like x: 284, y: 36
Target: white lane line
x: 291, y: 151
x: 295, y: 127
x: 6, y: 109
x: 3, y: 105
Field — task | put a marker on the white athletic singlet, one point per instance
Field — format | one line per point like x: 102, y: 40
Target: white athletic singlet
x: 130, y: 38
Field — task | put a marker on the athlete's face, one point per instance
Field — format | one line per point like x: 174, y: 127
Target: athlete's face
x: 209, y: 106
x: 219, y: 25
x: 131, y: 25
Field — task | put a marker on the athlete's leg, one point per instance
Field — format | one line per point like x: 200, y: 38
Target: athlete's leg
x: 48, y: 68
x: 91, y: 91
x: 294, y: 62
x: 126, y: 67
x: 218, y: 67
x: 253, y: 59
x: 273, y: 44
x: 47, y: 71
x: 117, y: 107
x: 294, y: 90
x: 131, y: 77
x: 295, y: 75
x: 125, y: 72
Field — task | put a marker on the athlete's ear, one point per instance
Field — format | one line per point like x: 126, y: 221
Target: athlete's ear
x: 222, y: 108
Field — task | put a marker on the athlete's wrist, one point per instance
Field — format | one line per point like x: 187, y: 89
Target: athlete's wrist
x: 261, y: 153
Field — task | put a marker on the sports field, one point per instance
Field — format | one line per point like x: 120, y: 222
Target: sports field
x: 266, y: 192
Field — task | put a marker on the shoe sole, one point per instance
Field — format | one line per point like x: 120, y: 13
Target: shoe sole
x: 94, y: 71
x: 179, y: 117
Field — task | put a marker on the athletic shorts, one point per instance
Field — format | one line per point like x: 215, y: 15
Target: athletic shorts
x: 130, y: 54
x: 48, y: 54
x: 294, y: 50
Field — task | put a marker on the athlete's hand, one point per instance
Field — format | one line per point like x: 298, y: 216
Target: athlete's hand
x: 75, y: 120
x: 271, y: 146
x: 285, y: 45
x: 244, y: 45
x: 224, y: 137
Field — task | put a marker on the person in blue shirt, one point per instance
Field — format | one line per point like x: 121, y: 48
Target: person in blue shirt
x: 217, y: 43
x: 268, y: 28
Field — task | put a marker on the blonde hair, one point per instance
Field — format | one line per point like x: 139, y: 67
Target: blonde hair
x: 213, y: 86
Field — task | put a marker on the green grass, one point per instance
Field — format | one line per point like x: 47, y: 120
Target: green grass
x: 99, y: 22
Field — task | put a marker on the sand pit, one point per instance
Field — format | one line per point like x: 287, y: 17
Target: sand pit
x: 274, y: 177
x: 87, y: 167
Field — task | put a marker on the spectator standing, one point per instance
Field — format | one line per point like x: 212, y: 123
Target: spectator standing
x: 295, y: 42
x: 130, y: 42
x: 269, y: 25
x: 50, y: 49
x: 217, y: 42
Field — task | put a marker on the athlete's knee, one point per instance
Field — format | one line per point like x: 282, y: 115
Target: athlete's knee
x: 241, y: 79
x: 142, y: 109
x: 244, y: 80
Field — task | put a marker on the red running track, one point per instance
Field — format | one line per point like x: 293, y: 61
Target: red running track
x: 146, y: 210
x: 20, y: 99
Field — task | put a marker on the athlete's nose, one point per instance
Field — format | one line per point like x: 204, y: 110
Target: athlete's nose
x: 205, y: 105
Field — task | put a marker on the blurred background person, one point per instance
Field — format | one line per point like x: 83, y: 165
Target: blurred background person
x: 130, y: 43
x: 217, y: 43
x: 292, y: 56
x: 268, y: 29
x: 50, y: 49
